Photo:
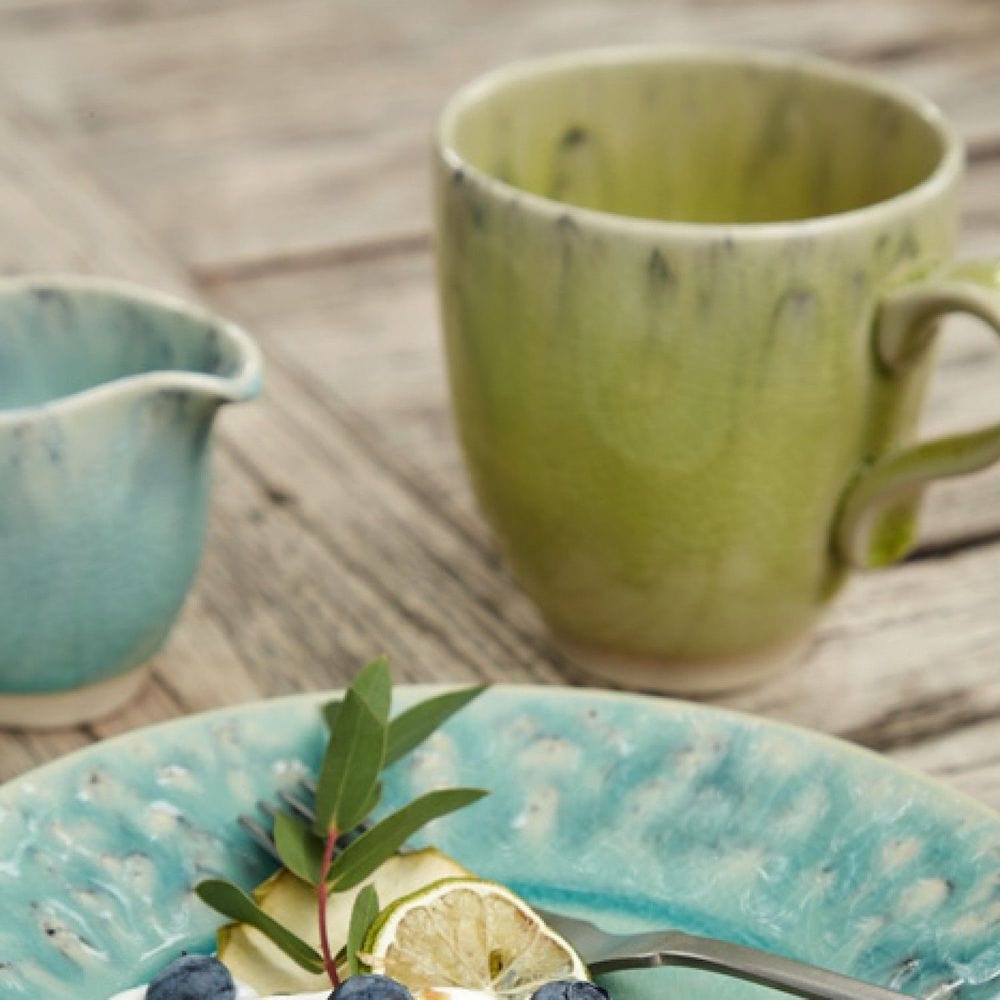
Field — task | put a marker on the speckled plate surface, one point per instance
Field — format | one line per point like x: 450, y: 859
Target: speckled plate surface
x: 630, y: 810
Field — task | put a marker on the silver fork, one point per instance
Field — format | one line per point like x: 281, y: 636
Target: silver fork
x: 604, y: 952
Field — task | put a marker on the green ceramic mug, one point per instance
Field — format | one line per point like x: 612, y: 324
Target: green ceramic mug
x: 689, y: 300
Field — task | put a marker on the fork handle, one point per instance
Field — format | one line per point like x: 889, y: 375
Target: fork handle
x: 761, y: 967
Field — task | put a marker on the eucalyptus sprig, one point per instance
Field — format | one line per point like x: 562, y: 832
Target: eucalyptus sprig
x: 362, y: 742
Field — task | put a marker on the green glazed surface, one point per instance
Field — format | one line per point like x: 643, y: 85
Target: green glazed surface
x: 659, y: 276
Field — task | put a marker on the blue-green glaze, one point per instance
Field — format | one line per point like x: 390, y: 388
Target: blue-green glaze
x: 635, y: 811
x: 107, y: 398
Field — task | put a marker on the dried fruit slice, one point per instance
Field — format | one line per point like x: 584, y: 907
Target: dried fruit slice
x: 254, y: 960
x: 468, y: 933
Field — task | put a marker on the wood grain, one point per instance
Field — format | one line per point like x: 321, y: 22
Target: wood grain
x: 239, y: 132
x: 273, y: 164
x: 967, y: 758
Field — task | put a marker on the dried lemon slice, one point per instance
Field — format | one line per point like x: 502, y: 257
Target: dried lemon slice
x: 472, y: 934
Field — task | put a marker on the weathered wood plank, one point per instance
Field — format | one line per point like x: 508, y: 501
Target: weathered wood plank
x: 432, y: 594
x: 969, y: 759
x: 239, y: 134
x: 906, y: 656
x: 46, y: 15
x: 342, y: 520
x: 20, y: 752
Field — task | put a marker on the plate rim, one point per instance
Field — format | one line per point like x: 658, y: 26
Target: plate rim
x: 836, y: 744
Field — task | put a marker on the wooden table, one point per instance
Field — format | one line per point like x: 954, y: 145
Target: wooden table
x: 270, y: 158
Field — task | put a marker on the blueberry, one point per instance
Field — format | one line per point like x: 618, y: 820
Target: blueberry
x: 566, y: 989
x: 193, y: 977
x: 366, y: 986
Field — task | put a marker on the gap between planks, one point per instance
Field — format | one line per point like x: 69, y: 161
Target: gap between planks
x: 953, y: 546
x: 208, y: 276
x: 920, y: 721
x: 35, y: 15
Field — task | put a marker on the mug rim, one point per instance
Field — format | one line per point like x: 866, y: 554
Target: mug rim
x: 947, y: 169
x: 242, y: 384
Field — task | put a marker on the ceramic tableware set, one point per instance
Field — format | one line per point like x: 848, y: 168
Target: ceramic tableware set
x: 689, y: 301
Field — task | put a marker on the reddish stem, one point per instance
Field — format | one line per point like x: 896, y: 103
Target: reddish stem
x: 329, y: 962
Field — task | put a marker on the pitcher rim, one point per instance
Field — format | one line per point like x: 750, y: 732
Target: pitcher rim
x: 244, y: 383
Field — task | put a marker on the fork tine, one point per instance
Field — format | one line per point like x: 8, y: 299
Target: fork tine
x: 297, y: 806
x: 259, y: 835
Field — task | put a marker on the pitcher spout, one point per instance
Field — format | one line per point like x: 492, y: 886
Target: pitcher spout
x: 231, y: 368
x: 66, y: 342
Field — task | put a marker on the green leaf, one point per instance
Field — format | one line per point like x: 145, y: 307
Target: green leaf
x: 231, y: 901
x: 410, y: 728
x: 363, y: 915
x: 330, y: 712
x: 365, y: 854
x: 300, y: 850
x: 355, y: 752
x: 351, y: 765
x: 374, y: 684
x: 373, y: 800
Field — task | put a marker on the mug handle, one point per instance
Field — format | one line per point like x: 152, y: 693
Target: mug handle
x: 867, y: 533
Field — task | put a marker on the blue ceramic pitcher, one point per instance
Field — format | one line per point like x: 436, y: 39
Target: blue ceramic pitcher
x: 108, y: 394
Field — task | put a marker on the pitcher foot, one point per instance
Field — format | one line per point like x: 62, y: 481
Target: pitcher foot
x: 64, y: 709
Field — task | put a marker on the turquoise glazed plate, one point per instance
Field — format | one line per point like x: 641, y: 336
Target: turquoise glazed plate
x: 633, y: 811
